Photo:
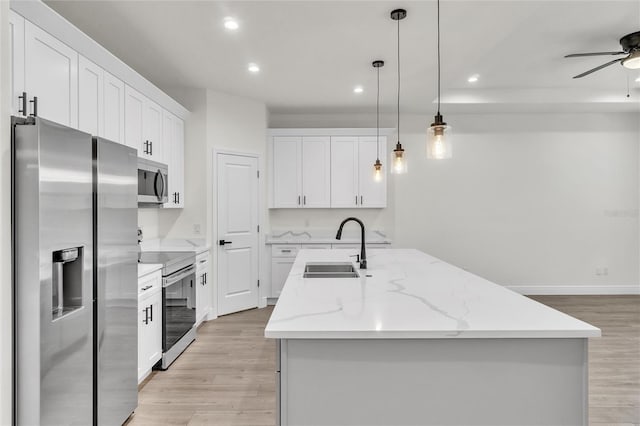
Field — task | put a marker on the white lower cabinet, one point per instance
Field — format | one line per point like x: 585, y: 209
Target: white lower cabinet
x: 149, y: 323
x: 203, y: 287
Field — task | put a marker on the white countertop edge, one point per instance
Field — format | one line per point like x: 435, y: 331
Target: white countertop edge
x: 409, y: 335
x: 148, y: 268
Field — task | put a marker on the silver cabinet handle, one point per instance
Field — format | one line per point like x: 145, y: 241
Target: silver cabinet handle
x: 286, y: 251
x: 304, y: 200
x: 361, y: 202
x: 356, y: 200
x: 298, y: 200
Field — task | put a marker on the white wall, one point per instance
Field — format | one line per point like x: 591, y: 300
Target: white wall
x: 5, y: 223
x: 527, y: 200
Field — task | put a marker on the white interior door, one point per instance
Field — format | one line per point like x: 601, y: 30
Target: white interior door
x: 237, y: 232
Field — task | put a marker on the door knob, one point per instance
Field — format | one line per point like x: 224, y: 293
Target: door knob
x: 223, y: 242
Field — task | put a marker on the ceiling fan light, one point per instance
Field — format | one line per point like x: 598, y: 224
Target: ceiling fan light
x: 632, y: 61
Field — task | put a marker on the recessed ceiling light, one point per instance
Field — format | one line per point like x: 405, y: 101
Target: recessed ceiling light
x: 473, y: 78
x: 358, y: 89
x: 230, y: 23
x: 254, y: 68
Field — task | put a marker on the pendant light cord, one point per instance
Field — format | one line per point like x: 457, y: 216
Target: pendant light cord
x: 378, y: 118
x: 398, y: 80
x: 438, y: 3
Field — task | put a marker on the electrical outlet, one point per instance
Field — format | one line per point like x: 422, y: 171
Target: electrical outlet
x: 196, y: 228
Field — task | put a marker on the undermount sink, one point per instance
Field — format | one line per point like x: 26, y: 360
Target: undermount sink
x: 330, y: 270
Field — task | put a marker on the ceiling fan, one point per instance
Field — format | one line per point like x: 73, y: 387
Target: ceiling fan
x: 630, y: 47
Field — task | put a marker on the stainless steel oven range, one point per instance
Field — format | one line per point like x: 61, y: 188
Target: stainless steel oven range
x: 178, y: 301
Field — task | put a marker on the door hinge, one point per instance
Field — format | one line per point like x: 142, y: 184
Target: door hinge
x: 258, y: 283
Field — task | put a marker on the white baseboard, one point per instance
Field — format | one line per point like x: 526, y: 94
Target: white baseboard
x: 575, y: 289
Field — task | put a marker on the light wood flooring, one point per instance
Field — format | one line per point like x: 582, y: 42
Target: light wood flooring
x: 226, y: 377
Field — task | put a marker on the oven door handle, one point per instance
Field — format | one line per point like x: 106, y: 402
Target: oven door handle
x: 172, y: 279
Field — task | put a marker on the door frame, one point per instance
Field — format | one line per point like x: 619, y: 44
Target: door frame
x: 262, y: 296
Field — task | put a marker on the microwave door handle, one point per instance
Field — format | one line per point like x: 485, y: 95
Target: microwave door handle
x: 163, y: 184
x: 155, y: 186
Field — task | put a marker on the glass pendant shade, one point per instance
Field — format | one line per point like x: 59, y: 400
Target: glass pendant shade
x: 398, y: 160
x: 439, y: 140
x: 377, y: 171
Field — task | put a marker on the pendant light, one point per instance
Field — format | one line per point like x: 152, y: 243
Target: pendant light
x: 439, y: 133
x: 398, y: 159
x: 377, y: 166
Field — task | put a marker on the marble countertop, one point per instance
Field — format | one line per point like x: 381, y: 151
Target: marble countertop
x: 409, y: 295
x: 324, y: 237
x: 147, y: 268
x: 197, y: 245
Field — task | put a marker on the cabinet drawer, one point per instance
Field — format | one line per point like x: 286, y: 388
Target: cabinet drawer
x: 202, y: 261
x: 285, y: 250
x: 149, y: 284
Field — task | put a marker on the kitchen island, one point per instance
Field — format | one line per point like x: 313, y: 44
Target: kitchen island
x: 417, y: 341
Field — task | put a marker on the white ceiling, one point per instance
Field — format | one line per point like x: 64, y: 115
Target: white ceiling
x: 312, y: 53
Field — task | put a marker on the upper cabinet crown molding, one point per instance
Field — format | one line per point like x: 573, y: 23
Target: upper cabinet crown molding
x: 46, y: 18
x: 349, y: 131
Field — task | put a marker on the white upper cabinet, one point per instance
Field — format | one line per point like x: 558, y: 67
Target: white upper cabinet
x: 143, y: 125
x: 344, y: 172
x: 173, y: 144
x: 328, y: 171
x: 51, y: 75
x: 16, y: 69
x: 90, y: 97
x: 372, y: 193
x: 287, y: 173
x: 301, y: 172
x: 316, y: 171
x: 113, y: 109
x: 134, y: 115
x: 152, y: 128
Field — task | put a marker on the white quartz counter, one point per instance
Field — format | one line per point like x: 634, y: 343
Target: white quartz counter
x: 147, y: 268
x: 409, y: 295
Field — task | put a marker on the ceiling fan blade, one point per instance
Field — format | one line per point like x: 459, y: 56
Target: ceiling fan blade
x: 598, y: 68
x: 578, y: 55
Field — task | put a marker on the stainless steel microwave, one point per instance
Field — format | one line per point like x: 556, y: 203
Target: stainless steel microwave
x: 153, y: 183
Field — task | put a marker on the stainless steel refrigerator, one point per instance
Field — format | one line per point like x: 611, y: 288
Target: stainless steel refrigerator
x: 75, y: 276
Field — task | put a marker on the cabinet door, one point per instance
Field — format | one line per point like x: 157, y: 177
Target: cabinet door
x: 113, y: 94
x: 372, y: 193
x: 90, y: 97
x: 173, y: 146
x: 152, y: 130
x: 142, y: 341
x: 280, y: 269
x: 344, y: 172
x: 316, y: 171
x: 155, y: 329
x: 16, y: 66
x: 51, y: 74
x: 134, y: 115
x: 287, y: 174
x: 178, y: 161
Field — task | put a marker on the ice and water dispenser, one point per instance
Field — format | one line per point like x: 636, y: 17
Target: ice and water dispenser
x: 66, y: 281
